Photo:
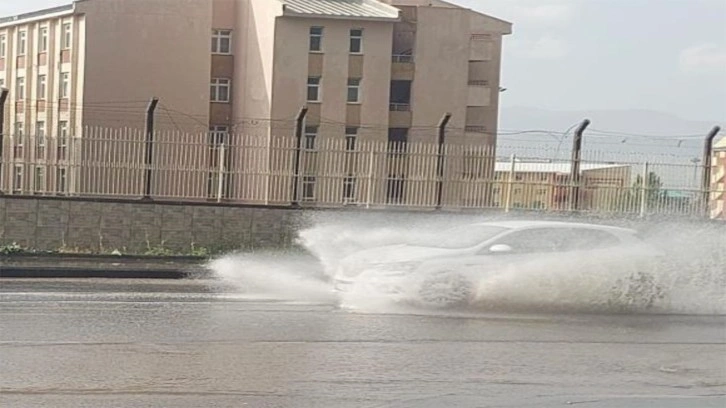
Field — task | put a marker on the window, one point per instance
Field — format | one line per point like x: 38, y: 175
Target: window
x: 400, y: 95
x: 40, y: 140
x: 311, y: 133
x: 219, y: 162
x: 18, y: 140
x: 356, y: 41
x: 20, y: 88
x: 65, y: 86
x: 354, y: 90
x: 18, y: 178
x: 22, y: 42
x: 66, y: 36
x: 349, y: 189
x: 3, y: 45
x: 39, y: 185
x: 60, y: 180
x: 351, y: 134
x: 43, y: 39
x: 218, y: 134
x: 314, y: 89
x: 220, y: 90
x: 41, y: 87
x: 62, y: 139
x: 308, y: 188
x: 221, y: 41
x: 316, y: 39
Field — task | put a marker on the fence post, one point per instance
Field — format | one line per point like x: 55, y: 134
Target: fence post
x: 3, y: 98
x: 510, y: 183
x: 149, y: 145
x: 371, y: 169
x: 299, y: 122
x: 575, y: 167
x: 440, y: 159
x: 220, y: 176
x: 706, y: 182
x: 644, y: 187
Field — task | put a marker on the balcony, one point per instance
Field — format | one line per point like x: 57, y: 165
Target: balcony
x: 400, y: 107
x: 402, y: 67
x: 480, y: 94
x: 400, y: 115
x: 402, y: 59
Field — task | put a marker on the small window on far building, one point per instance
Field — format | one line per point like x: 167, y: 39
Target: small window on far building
x: 356, y: 41
x: 316, y: 39
x: 39, y: 182
x: 308, y: 188
x: 3, y: 45
x: 18, y: 178
x: 62, y: 139
x: 314, y: 89
x: 221, y: 42
x: 311, y: 134
x: 22, y: 42
x: 60, y: 180
x: 351, y: 134
x: 219, y: 90
x: 354, y: 90
x: 66, y: 37
x: 65, y: 85
x: 43, y: 39
x: 20, y: 89
x: 42, y: 87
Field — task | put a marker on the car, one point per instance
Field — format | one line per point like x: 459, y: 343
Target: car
x: 442, y: 270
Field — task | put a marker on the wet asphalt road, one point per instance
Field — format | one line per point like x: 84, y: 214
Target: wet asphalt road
x: 184, y: 344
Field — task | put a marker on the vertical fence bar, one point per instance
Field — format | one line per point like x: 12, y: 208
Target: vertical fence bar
x: 644, y: 189
x: 149, y: 144
x: 510, y: 183
x: 371, y: 165
x: 3, y: 98
x: 220, y: 176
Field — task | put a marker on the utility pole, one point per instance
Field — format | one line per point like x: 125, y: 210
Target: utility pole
x: 440, y: 160
x: 706, y: 182
x: 299, y: 127
x: 151, y: 108
x: 3, y: 98
x: 575, y: 168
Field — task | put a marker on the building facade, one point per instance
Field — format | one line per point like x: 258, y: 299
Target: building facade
x: 366, y: 70
x: 718, y: 181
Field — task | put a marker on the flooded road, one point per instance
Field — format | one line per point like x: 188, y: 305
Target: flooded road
x: 184, y: 344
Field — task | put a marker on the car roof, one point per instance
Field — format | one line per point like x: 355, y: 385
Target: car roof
x: 528, y: 224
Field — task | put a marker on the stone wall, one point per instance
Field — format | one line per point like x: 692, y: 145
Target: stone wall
x: 135, y: 227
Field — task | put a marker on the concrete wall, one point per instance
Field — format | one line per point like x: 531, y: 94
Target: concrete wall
x: 52, y: 224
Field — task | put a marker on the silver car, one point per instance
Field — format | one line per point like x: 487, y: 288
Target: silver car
x: 441, y: 270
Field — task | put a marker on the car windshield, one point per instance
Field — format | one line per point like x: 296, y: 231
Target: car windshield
x: 460, y: 237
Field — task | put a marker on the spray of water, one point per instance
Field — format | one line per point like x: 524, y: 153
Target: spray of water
x: 692, y: 280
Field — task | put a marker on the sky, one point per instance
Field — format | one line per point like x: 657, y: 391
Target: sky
x: 659, y: 55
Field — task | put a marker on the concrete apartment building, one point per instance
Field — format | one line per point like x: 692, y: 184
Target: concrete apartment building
x: 368, y: 70
x: 718, y: 181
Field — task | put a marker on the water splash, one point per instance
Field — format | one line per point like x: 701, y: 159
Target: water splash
x: 692, y: 281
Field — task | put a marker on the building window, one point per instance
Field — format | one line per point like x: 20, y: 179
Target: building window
x: 354, y: 90
x: 219, y: 164
x: 22, y: 42
x: 40, y: 140
x: 351, y: 134
x: 220, y: 90
x: 316, y: 39
x: 39, y: 185
x: 311, y: 133
x: 18, y: 178
x: 18, y: 140
x: 62, y: 139
x: 3, y: 45
x: 60, y: 180
x: 314, y: 89
x: 400, y: 96
x: 20, y: 88
x: 42, y: 87
x: 356, y: 41
x: 66, y: 36
x: 221, y: 41
x: 43, y: 40
x: 349, y: 189
x: 65, y: 86
x: 308, y: 188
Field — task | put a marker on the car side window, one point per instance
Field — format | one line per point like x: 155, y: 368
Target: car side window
x: 583, y: 239
x: 531, y: 241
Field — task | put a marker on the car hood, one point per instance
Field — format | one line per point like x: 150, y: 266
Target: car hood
x: 398, y: 253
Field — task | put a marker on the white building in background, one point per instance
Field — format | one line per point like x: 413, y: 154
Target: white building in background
x: 718, y: 181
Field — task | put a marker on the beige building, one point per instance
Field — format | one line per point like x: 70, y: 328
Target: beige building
x: 718, y: 181
x: 543, y: 185
x: 367, y: 70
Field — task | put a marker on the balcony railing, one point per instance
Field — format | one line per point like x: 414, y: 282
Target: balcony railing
x: 402, y: 58
x: 479, y: 83
x: 400, y: 107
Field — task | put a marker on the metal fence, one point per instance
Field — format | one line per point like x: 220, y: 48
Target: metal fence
x: 346, y: 171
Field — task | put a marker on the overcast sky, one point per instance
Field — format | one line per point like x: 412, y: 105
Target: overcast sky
x: 663, y: 55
